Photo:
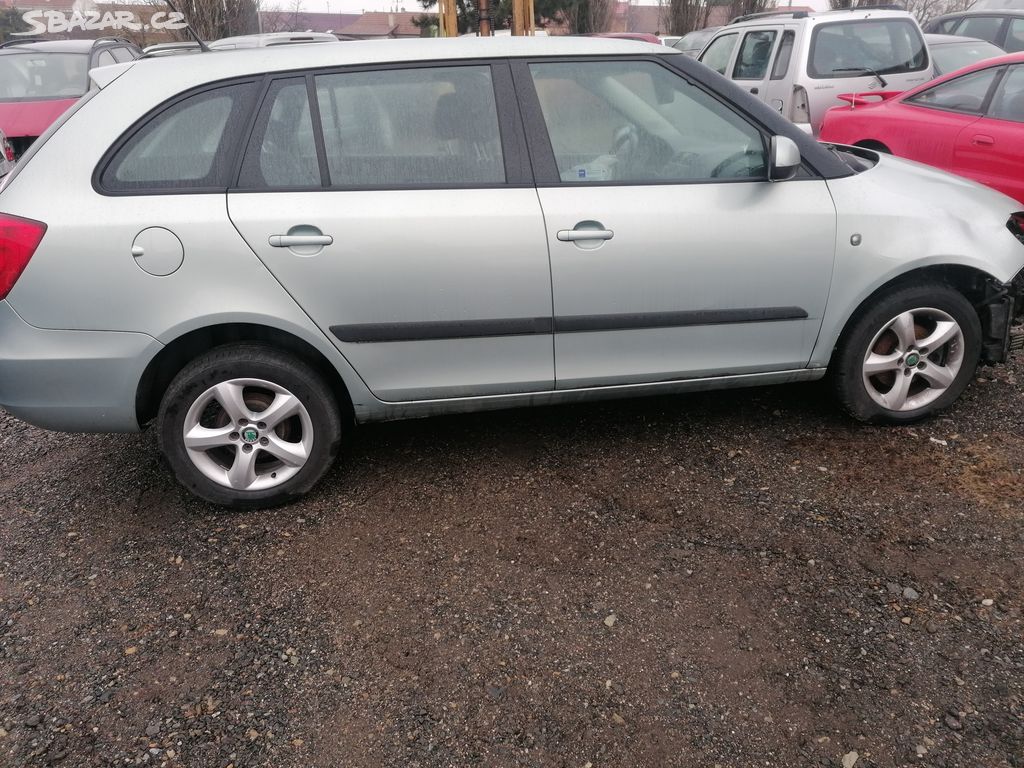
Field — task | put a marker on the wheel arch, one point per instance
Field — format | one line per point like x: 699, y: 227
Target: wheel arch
x: 176, y: 354
x: 976, y: 285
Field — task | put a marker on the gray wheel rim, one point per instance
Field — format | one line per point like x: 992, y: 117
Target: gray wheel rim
x: 248, y: 434
x: 914, y: 359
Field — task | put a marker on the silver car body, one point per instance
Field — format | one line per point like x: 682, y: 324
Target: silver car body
x: 86, y: 319
x: 787, y: 77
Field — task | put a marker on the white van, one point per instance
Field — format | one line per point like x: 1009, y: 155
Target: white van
x: 799, y: 62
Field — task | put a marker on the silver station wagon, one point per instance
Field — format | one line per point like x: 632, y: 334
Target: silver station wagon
x: 257, y: 249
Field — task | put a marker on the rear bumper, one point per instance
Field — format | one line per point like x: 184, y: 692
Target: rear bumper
x: 73, y: 381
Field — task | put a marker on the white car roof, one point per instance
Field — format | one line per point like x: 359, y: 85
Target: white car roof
x: 175, y: 73
x: 781, y: 16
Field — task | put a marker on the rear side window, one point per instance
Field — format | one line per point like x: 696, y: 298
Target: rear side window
x: 719, y: 52
x: 784, y: 54
x: 982, y: 27
x: 1008, y: 102
x: 411, y: 127
x: 1015, y: 36
x: 123, y: 54
x: 847, y: 48
x: 187, y: 145
x: 755, y: 52
x: 945, y: 27
x: 964, y: 94
x: 282, y: 152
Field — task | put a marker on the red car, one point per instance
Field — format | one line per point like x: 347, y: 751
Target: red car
x: 40, y: 79
x: 969, y: 122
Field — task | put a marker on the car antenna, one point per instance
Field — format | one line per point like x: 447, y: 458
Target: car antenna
x: 199, y: 41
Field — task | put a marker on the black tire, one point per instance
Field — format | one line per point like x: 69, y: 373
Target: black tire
x: 847, y: 368
x: 250, y: 361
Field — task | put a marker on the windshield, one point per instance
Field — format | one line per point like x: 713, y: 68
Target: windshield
x: 885, y: 46
x: 694, y: 40
x: 37, y: 75
x: 951, y: 57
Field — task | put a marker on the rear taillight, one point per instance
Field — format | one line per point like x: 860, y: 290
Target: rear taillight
x: 799, y: 110
x: 1016, y: 225
x: 19, y: 239
x: 8, y: 151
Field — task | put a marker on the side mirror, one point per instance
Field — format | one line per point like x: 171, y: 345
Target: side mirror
x: 785, y: 159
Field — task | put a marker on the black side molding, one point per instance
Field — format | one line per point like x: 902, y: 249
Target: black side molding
x: 526, y: 326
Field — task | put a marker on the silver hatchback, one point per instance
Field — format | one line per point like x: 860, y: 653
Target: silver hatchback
x: 257, y: 249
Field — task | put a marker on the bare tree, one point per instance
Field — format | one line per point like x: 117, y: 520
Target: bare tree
x: 585, y: 16
x: 681, y: 16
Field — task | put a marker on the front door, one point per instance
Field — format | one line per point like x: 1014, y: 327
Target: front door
x: 397, y: 218
x: 672, y: 256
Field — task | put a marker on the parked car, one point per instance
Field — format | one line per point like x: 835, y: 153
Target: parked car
x: 1004, y: 28
x: 256, y: 251
x: 6, y: 155
x: 171, y: 49
x: 641, y: 37
x: 798, y: 62
x: 267, y: 39
x: 970, y: 122
x: 950, y: 52
x: 693, y: 42
x: 669, y: 39
x: 39, y: 79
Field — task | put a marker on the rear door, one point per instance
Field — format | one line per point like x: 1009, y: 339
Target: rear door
x: 989, y: 150
x: 395, y: 205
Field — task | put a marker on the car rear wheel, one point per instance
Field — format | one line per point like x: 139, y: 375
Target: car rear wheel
x: 249, y: 426
x: 910, y: 354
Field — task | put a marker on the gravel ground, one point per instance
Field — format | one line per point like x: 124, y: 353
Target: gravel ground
x: 734, y: 579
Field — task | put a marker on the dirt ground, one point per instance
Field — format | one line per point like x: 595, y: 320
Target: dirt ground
x: 732, y: 579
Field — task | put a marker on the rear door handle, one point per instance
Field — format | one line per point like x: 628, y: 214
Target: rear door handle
x: 290, y: 241
x: 572, y: 235
x: 983, y: 140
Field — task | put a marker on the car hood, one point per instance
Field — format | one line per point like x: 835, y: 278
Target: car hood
x: 31, y: 118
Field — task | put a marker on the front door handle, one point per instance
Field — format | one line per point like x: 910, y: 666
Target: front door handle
x: 572, y: 235
x: 983, y: 140
x: 290, y: 241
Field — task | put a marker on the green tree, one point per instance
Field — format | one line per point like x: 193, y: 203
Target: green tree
x: 11, y: 21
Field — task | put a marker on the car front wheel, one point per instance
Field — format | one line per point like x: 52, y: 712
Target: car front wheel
x: 249, y: 426
x: 910, y: 354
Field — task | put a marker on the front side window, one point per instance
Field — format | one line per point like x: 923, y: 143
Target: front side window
x: 850, y: 48
x: 35, y: 75
x: 719, y: 52
x: 187, y: 145
x: 637, y: 122
x: 1008, y: 101
x: 964, y: 94
x: 755, y: 52
x: 411, y: 127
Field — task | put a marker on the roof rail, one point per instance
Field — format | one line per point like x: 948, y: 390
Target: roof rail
x: 112, y: 39
x: 20, y: 40
x: 767, y: 14
x: 863, y: 6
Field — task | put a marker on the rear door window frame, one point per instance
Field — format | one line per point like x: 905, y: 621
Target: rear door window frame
x: 518, y: 172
